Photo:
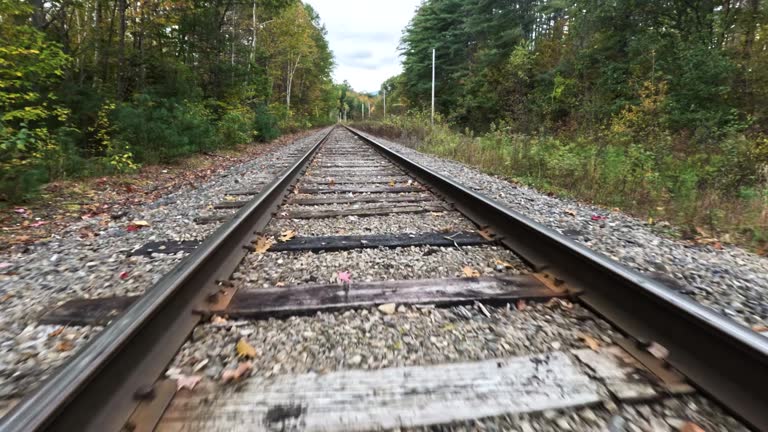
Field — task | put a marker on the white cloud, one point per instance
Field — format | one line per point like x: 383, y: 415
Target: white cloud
x: 364, y: 36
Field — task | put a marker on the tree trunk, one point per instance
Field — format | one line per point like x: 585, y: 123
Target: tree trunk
x: 122, y: 5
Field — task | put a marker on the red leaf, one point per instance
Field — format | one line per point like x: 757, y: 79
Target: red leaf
x: 132, y: 228
x: 124, y: 275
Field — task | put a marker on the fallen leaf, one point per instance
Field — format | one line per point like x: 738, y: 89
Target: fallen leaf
x: 520, y: 305
x: 599, y: 217
x: 230, y: 198
x: 591, y: 342
x: 486, y: 234
x: 6, y: 297
x: 244, y: 349
x: 5, y: 265
x: 56, y: 332
x: 262, y: 244
x: 185, y: 381
x: 64, y: 346
x: 140, y: 223
x: 691, y: 427
x: 391, y: 183
x: 760, y: 328
x: 570, y: 212
x: 344, y: 277
x: 287, y: 235
x: 124, y: 275
x: 331, y: 181
x: 38, y: 224
x: 504, y: 264
x: 470, y: 272
x: 218, y: 320
x: 650, y: 220
x: 243, y: 369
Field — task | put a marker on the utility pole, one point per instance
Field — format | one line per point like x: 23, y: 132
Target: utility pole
x: 433, y: 86
x: 385, y: 103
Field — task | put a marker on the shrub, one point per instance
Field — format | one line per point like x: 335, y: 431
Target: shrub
x: 159, y: 131
x: 235, y: 128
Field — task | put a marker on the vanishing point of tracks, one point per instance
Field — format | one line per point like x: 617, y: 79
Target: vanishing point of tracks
x: 117, y: 381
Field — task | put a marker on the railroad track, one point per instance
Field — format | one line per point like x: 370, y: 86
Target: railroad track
x: 309, y: 299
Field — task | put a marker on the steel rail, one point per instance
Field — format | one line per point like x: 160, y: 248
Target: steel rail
x: 99, y: 388
x: 722, y: 358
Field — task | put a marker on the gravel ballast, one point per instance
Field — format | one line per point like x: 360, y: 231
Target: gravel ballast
x: 73, y: 265
x: 731, y: 281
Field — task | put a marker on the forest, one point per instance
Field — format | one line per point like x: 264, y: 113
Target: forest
x: 655, y: 107
x: 94, y: 87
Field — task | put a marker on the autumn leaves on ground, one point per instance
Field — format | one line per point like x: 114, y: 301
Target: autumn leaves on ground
x: 109, y: 198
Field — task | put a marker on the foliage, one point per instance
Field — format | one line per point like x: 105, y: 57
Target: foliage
x: 657, y: 182
x: 101, y: 86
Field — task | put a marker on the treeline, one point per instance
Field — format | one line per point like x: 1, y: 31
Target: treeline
x: 99, y: 86
x: 653, y: 106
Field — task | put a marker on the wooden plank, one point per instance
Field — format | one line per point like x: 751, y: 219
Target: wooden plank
x: 376, y: 211
x: 98, y: 311
x: 203, y: 220
x: 168, y: 247
x: 322, y: 172
x: 230, y: 204
x: 244, y: 192
x: 391, y: 398
x: 308, y: 299
x: 355, y: 180
x: 335, y: 243
x: 389, y: 189
x: 623, y: 380
x: 344, y: 199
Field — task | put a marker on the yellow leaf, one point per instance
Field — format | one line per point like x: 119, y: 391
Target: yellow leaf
x: 391, y: 183
x: 140, y: 223
x: 287, y: 235
x: 504, y: 264
x: 64, y: 346
x: 230, y: 198
x: 591, y: 342
x: 244, y: 349
x: 470, y: 272
x: 262, y: 244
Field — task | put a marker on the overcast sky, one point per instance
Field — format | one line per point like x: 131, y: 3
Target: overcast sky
x: 364, y: 35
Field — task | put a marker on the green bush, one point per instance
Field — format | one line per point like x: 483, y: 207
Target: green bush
x: 235, y: 128
x: 265, y: 124
x: 159, y: 131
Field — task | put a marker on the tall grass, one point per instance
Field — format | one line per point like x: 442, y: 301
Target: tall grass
x: 722, y: 190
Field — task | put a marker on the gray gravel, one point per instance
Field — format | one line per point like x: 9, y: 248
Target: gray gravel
x: 389, y: 224
x: 67, y: 266
x: 422, y: 262
x: 368, y: 339
x: 731, y: 281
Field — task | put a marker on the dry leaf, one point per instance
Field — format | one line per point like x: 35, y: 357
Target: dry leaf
x: 140, y: 223
x: 64, y: 346
x: 287, y: 235
x: 570, y: 212
x: 520, y: 305
x: 218, y: 320
x: 760, y: 328
x: 691, y: 427
x: 280, y: 284
x: 243, y: 370
x: 184, y: 381
x: 391, y: 183
x: 591, y: 342
x: 244, y: 349
x: 56, y: 332
x: 657, y: 351
x: 6, y: 297
x: 331, y: 181
x: 486, y: 234
x: 470, y: 272
x: 262, y: 244
x: 344, y: 277
x: 504, y: 264
x: 230, y: 198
